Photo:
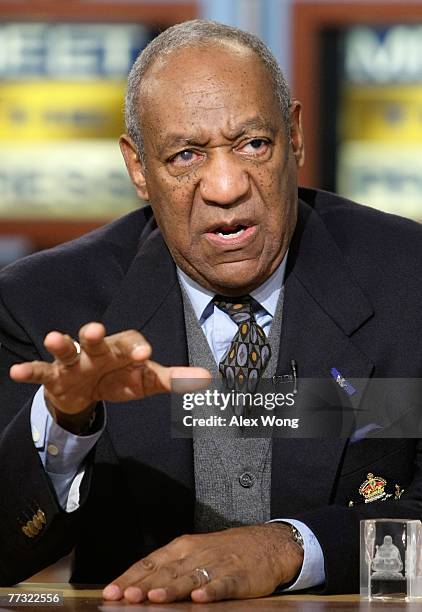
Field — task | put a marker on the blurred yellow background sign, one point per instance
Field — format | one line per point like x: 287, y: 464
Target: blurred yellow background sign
x: 44, y: 110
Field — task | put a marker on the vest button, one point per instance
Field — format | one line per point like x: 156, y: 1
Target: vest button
x: 247, y: 480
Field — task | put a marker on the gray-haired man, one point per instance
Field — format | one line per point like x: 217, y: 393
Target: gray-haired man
x: 214, y: 143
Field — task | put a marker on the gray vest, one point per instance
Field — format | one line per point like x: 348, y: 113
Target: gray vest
x: 232, y: 474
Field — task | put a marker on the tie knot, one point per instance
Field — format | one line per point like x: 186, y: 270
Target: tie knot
x: 239, y: 309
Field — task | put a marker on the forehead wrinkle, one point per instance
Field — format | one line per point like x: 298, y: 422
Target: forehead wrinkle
x: 212, y: 87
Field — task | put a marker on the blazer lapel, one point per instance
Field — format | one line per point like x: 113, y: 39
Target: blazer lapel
x: 323, y: 307
x: 149, y: 300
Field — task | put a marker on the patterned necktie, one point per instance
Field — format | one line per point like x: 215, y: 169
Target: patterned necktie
x: 249, y: 351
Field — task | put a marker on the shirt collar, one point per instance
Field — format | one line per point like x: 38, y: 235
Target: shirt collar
x: 266, y: 294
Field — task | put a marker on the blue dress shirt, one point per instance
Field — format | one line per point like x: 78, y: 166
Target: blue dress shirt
x: 63, y: 453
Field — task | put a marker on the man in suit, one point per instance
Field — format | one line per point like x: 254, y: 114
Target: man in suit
x: 214, y: 143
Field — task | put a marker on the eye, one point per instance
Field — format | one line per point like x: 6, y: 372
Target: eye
x: 256, y: 146
x: 184, y: 158
x: 257, y: 143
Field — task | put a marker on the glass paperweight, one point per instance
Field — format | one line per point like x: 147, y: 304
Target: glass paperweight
x: 391, y: 560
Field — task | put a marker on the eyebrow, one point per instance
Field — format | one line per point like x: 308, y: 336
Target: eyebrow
x: 255, y: 123
x: 176, y: 139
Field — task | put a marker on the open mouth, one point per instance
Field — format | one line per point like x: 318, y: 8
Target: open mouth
x: 230, y: 231
x: 233, y: 235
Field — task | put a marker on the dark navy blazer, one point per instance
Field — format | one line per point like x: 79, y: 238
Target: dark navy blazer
x: 353, y: 293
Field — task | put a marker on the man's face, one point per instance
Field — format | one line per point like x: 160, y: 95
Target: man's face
x: 221, y: 166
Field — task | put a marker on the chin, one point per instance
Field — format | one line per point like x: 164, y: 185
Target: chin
x: 240, y: 273
x: 236, y: 284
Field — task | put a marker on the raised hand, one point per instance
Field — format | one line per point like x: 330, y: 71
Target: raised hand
x: 114, y: 368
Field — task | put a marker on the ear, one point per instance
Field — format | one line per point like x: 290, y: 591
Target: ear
x: 134, y: 166
x: 296, y: 133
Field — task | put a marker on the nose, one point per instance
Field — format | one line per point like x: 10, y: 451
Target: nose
x: 224, y: 181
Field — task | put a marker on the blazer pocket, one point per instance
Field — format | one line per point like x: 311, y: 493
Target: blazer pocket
x: 378, y: 470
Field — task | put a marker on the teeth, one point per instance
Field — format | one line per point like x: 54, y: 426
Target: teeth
x: 232, y: 235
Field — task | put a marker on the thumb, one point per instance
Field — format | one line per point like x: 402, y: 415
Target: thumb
x: 179, y: 379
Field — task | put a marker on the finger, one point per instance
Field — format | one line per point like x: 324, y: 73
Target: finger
x: 92, y: 338
x: 92, y: 332
x: 39, y: 372
x: 189, y: 379
x: 128, y: 345
x: 179, y: 589
x: 179, y: 576
x: 225, y: 587
x: 62, y: 347
x: 137, y: 572
x: 132, y: 343
x: 178, y: 379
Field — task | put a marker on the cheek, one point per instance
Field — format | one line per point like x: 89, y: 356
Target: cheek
x: 163, y: 185
x: 172, y: 204
x: 271, y: 178
x: 276, y: 199
x: 279, y: 195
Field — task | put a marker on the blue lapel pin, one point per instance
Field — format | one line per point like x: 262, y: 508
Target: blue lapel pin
x: 342, y: 382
